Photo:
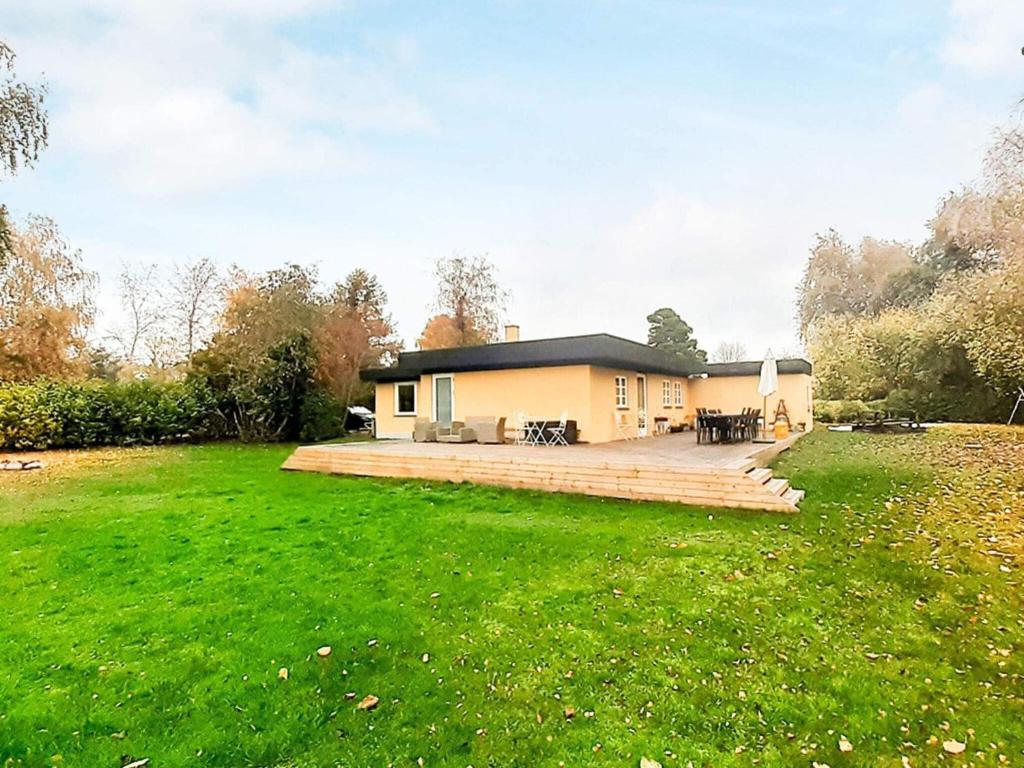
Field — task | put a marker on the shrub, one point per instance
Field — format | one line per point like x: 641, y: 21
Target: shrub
x: 841, y: 411
x: 47, y: 413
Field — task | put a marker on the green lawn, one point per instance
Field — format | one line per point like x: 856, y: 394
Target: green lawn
x: 150, y: 598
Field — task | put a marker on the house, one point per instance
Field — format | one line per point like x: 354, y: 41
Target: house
x: 600, y: 381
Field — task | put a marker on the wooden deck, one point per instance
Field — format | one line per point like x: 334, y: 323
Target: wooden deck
x: 665, y: 468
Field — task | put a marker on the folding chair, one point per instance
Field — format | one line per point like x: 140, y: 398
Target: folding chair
x: 622, y: 426
x: 527, y: 432
x: 557, y: 434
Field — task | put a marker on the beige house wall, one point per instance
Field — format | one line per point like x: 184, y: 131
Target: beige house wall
x: 604, y: 411
x: 732, y: 394
x: 543, y: 393
x: 587, y: 395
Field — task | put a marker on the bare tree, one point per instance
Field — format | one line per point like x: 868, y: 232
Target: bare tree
x: 23, y: 121
x: 468, y: 293
x: 195, y: 298
x: 729, y: 352
x: 140, y: 299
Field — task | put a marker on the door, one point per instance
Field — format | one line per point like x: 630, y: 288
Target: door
x: 444, y: 399
x: 641, y: 405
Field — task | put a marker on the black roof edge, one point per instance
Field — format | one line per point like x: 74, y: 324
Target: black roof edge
x: 789, y: 365
x: 415, y: 363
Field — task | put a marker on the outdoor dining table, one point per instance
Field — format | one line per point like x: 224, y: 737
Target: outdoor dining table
x: 725, y: 424
x: 543, y: 427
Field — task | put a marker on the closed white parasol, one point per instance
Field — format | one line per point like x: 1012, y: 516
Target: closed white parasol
x: 768, y: 385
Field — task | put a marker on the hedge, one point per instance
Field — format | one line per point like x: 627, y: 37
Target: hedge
x: 48, y: 413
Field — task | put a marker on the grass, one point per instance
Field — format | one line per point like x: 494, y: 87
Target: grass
x: 151, y: 597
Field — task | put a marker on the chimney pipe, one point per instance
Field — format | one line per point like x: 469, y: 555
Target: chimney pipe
x: 511, y: 333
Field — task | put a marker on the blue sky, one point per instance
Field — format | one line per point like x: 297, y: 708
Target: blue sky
x: 609, y: 157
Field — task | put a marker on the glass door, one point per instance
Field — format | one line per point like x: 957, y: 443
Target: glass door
x: 444, y: 399
x: 641, y: 405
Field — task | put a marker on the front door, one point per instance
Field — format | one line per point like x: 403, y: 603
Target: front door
x: 444, y: 399
x: 641, y: 405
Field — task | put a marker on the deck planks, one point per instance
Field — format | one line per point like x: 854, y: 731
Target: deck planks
x: 737, y: 481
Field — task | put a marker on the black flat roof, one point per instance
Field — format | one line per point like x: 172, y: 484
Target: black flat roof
x: 753, y: 367
x: 600, y: 349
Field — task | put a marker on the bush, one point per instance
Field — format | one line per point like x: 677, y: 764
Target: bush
x: 47, y: 413
x: 842, y: 411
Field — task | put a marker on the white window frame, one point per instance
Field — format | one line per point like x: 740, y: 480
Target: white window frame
x: 666, y: 393
x: 677, y: 394
x: 621, y: 392
x: 415, y: 398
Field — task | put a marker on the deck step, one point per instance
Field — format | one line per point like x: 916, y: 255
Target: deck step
x: 793, y: 496
x: 746, y: 487
x: 760, y: 475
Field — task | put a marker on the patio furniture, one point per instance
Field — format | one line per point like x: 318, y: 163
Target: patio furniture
x: 752, y: 425
x: 488, y: 429
x: 623, y: 427
x: 527, y: 432
x: 458, y: 432
x: 556, y: 434
x: 545, y: 430
x: 705, y: 428
x: 424, y: 431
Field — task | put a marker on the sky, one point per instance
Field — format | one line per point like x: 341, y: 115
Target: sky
x: 610, y: 158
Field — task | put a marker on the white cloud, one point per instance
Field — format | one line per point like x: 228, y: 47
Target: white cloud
x: 192, y: 96
x: 987, y: 36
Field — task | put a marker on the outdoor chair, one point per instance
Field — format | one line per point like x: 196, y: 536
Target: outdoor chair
x: 755, y: 414
x: 623, y: 428
x: 556, y: 434
x: 424, y: 431
x: 487, y: 428
x: 705, y: 426
x: 458, y: 432
x: 526, y: 430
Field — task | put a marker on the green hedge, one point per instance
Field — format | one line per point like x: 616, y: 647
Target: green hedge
x: 48, y: 413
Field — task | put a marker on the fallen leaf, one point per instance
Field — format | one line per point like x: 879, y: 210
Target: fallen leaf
x: 323, y: 651
x: 845, y: 745
x: 570, y: 713
x: 646, y: 762
x: 954, y: 747
x: 368, y: 702
x: 282, y: 673
x: 425, y: 658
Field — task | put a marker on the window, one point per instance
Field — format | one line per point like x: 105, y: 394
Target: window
x: 679, y: 394
x: 405, y: 398
x: 620, y: 392
x: 666, y: 393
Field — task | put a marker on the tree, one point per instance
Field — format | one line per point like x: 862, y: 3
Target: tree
x: 46, y: 304
x: 6, y: 246
x: 668, y: 331
x: 261, y: 360
x: 141, y: 331
x: 469, y: 295
x: 23, y: 119
x: 985, y: 313
x: 356, y: 332
x: 729, y: 352
x: 195, y: 296
x: 442, y: 332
